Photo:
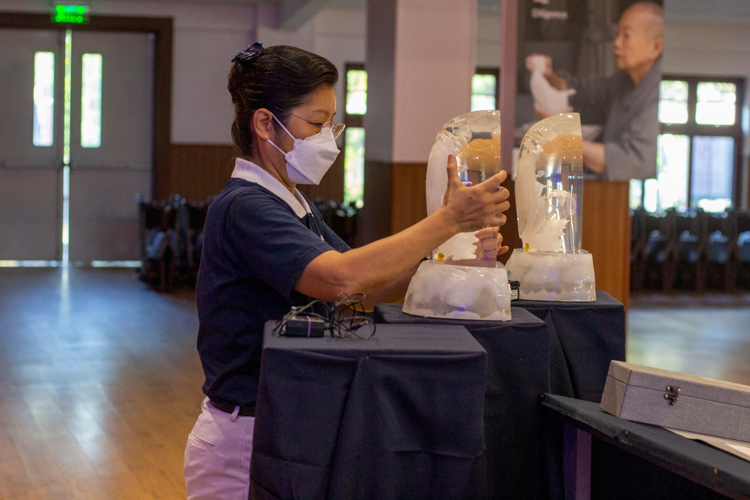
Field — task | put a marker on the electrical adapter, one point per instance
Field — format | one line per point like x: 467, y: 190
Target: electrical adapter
x: 305, y: 326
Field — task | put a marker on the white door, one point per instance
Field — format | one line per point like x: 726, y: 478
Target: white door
x: 30, y: 144
x: 105, y: 132
x: 106, y: 174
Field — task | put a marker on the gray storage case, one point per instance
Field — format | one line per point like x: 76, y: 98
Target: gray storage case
x: 677, y: 400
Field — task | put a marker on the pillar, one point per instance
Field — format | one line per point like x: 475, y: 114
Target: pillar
x: 420, y: 58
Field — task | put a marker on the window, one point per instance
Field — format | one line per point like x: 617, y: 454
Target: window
x: 699, y: 148
x: 716, y: 103
x: 44, y: 98
x: 354, y: 134
x: 484, y: 89
x: 673, y: 101
x: 91, y: 101
x: 356, y: 91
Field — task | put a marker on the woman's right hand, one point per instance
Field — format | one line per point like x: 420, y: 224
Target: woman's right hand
x: 471, y: 208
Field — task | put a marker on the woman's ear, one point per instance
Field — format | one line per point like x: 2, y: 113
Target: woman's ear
x: 263, y: 124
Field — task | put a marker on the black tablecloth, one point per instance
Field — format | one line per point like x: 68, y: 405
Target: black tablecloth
x: 584, y: 338
x: 396, y: 416
x: 633, y: 460
x: 517, y: 373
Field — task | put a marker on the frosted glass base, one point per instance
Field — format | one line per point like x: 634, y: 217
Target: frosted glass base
x: 459, y: 292
x: 553, y: 276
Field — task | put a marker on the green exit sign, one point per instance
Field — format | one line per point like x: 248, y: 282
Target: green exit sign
x: 71, y: 14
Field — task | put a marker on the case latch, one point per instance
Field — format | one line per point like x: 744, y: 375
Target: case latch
x: 673, y: 394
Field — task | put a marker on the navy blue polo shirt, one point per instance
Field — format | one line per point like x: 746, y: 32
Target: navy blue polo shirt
x: 258, y: 239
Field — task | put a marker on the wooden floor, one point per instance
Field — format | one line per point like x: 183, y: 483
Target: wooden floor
x: 707, y: 334
x: 100, y: 380
x: 99, y: 385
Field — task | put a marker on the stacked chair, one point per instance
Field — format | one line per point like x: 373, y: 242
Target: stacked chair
x: 691, y: 250
x: 340, y: 217
x: 721, y: 251
x: 171, y: 238
x: 658, y: 257
x: 741, y: 223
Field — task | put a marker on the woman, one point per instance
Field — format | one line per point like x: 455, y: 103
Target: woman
x: 267, y: 249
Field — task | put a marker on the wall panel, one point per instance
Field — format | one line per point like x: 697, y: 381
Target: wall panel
x: 198, y: 170
x: 408, y: 202
x: 606, y: 234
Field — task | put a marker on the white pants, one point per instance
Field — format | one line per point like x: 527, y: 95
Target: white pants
x: 217, y: 456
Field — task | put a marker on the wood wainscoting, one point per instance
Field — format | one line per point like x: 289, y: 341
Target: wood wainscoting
x: 408, y: 200
x: 201, y: 170
x: 375, y: 216
x: 198, y: 171
x: 606, y: 235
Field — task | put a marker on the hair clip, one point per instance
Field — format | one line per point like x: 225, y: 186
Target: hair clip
x: 249, y: 53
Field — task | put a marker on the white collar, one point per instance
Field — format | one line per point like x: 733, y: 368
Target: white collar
x: 251, y: 172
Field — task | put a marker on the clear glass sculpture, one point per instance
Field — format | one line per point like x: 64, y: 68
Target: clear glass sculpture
x: 549, y: 195
x: 459, y: 281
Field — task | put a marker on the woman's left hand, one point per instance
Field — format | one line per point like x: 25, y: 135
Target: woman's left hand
x: 489, y: 244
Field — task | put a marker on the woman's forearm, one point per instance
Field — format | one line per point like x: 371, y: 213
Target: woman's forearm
x: 376, y: 265
x: 395, y: 291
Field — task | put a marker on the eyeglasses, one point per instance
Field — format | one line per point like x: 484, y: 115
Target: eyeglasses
x: 336, y: 129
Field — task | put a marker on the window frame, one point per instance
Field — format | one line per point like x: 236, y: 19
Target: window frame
x: 351, y: 120
x: 487, y: 70
x: 692, y: 129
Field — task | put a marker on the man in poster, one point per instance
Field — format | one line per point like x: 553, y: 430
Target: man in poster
x: 625, y: 103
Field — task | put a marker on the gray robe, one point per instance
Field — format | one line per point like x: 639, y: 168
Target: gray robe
x: 629, y: 114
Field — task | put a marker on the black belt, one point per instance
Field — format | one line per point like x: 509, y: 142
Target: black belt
x: 245, y: 411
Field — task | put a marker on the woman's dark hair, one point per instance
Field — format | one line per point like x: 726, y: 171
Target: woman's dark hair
x: 279, y: 79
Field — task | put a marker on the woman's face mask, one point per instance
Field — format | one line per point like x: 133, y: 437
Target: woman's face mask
x: 309, y: 159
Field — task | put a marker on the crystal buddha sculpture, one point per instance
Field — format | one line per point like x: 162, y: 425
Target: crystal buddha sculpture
x: 459, y: 281
x: 549, y: 194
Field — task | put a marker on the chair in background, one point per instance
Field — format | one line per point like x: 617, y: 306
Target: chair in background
x: 345, y: 223
x: 196, y: 220
x: 340, y: 217
x: 154, y: 243
x: 690, y: 251
x: 659, y: 251
x: 720, y: 251
x: 326, y: 209
x: 637, y: 249
x: 741, y: 223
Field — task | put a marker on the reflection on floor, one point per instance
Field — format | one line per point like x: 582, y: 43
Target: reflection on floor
x: 706, y: 335
x: 100, y: 380
x: 100, y: 385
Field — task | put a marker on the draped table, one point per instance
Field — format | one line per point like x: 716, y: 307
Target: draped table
x: 397, y: 416
x: 518, y: 354
x: 584, y: 338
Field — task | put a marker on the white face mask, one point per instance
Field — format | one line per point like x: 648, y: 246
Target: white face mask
x: 309, y: 159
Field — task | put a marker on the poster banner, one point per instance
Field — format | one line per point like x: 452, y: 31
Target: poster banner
x: 601, y: 59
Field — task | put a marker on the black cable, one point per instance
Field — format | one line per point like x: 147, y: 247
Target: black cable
x: 343, y: 318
